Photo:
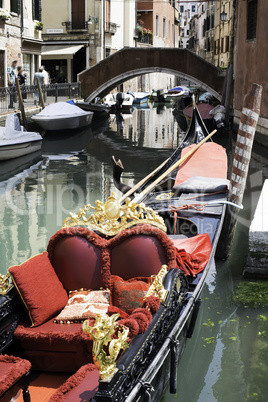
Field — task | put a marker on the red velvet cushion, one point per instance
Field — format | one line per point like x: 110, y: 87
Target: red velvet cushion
x: 39, y: 288
x: 128, y: 295
x: 141, y: 251
x: 75, y: 254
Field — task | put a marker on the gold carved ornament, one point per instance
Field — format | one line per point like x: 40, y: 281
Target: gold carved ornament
x: 157, y: 286
x: 5, y: 283
x: 104, y: 328
x: 101, y: 334
x: 111, y: 217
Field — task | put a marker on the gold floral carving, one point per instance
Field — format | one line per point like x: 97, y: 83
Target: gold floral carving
x: 101, y: 334
x: 112, y: 217
x: 5, y: 283
x: 157, y: 287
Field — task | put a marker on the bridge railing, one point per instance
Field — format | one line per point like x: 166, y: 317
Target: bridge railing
x: 52, y: 93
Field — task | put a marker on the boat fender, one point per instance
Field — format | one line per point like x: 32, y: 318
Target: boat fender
x: 147, y: 390
x: 174, y: 359
x: 193, y: 319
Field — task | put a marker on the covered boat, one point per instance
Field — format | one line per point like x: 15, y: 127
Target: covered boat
x: 15, y: 141
x: 62, y: 116
x: 115, y: 295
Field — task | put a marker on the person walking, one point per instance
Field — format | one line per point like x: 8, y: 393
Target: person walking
x: 11, y: 79
x: 38, y: 75
x: 47, y: 81
x: 22, y: 76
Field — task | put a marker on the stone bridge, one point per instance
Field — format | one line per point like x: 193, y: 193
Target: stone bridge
x: 128, y: 63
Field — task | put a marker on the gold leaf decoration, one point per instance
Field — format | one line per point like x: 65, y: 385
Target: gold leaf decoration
x: 112, y: 217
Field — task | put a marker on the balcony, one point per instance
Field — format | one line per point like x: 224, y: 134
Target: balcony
x: 144, y: 36
x: 110, y: 27
x: 80, y: 26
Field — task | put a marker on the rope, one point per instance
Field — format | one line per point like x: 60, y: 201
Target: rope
x: 174, y: 210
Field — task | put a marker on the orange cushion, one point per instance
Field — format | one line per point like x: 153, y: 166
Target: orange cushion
x: 215, y: 164
x: 39, y: 288
x: 128, y: 295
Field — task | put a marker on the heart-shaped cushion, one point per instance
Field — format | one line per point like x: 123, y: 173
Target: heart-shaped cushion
x: 83, y: 259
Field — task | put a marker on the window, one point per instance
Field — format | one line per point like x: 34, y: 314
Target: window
x: 78, y: 14
x: 157, y: 25
x: 227, y: 44
x: 193, y: 9
x: 164, y: 27
x: 15, y: 6
x: 37, y: 15
x: 181, y: 9
x: 252, y: 18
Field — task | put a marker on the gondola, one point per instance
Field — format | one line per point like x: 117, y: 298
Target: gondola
x: 116, y: 294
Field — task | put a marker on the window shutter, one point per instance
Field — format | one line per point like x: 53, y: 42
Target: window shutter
x: 33, y: 9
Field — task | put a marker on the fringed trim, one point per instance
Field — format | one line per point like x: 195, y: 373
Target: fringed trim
x: 20, y: 367
x: 72, y: 382
x: 106, y: 245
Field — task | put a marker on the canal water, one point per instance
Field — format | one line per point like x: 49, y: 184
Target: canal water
x: 226, y: 360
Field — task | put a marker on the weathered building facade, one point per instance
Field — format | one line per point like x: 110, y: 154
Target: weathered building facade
x: 20, y: 36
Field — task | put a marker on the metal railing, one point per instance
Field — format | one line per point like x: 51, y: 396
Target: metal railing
x: 52, y: 93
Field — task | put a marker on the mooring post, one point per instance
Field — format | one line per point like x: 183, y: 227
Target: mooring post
x: 242, y: 156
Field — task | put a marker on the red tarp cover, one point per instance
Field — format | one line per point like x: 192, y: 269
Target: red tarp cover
x: 193, y: 253
x: 210, y: 160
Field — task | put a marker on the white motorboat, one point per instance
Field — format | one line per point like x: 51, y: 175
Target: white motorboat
x: 15, y: 141
x: 172, y: 94
x: 141, y: 97
x: 62, y: 116
x: 119, y: 102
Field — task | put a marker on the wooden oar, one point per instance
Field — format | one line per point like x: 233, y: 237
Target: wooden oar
x: 179, y: 162
x: 141, y: 182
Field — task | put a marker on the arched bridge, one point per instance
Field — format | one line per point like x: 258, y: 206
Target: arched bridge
x: 128, y: 63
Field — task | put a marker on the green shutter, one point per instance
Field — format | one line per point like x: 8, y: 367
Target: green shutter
x: 39, y: 10
x: 33, y: 9
x: 18, y: 6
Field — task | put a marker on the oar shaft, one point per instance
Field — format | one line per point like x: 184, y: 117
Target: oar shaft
x: 141, y: 182
x: 179, y: 162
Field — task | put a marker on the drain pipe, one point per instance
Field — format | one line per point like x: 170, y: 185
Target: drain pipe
x: 244, y: 143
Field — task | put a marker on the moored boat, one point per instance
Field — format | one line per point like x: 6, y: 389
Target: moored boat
x: 141, y: 97
x: 62, y: 116
x: 100, y: 110
x: 120, y: 101
x: 15, y: 141
x: 169, y: 231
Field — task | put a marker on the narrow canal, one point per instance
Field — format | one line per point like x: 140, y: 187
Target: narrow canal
x: 227, y: 358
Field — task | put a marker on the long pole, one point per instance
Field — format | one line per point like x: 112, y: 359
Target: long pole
x: 242, y: 156
x: 177, y: 164
x: 21, y: 105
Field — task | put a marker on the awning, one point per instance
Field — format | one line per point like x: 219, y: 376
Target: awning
x: 59, y: 51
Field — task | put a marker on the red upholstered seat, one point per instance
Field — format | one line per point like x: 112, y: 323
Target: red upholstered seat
x: 12, y: 369
x: 82, y: 259
x: 80, y: 387
x: 55, y: 347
